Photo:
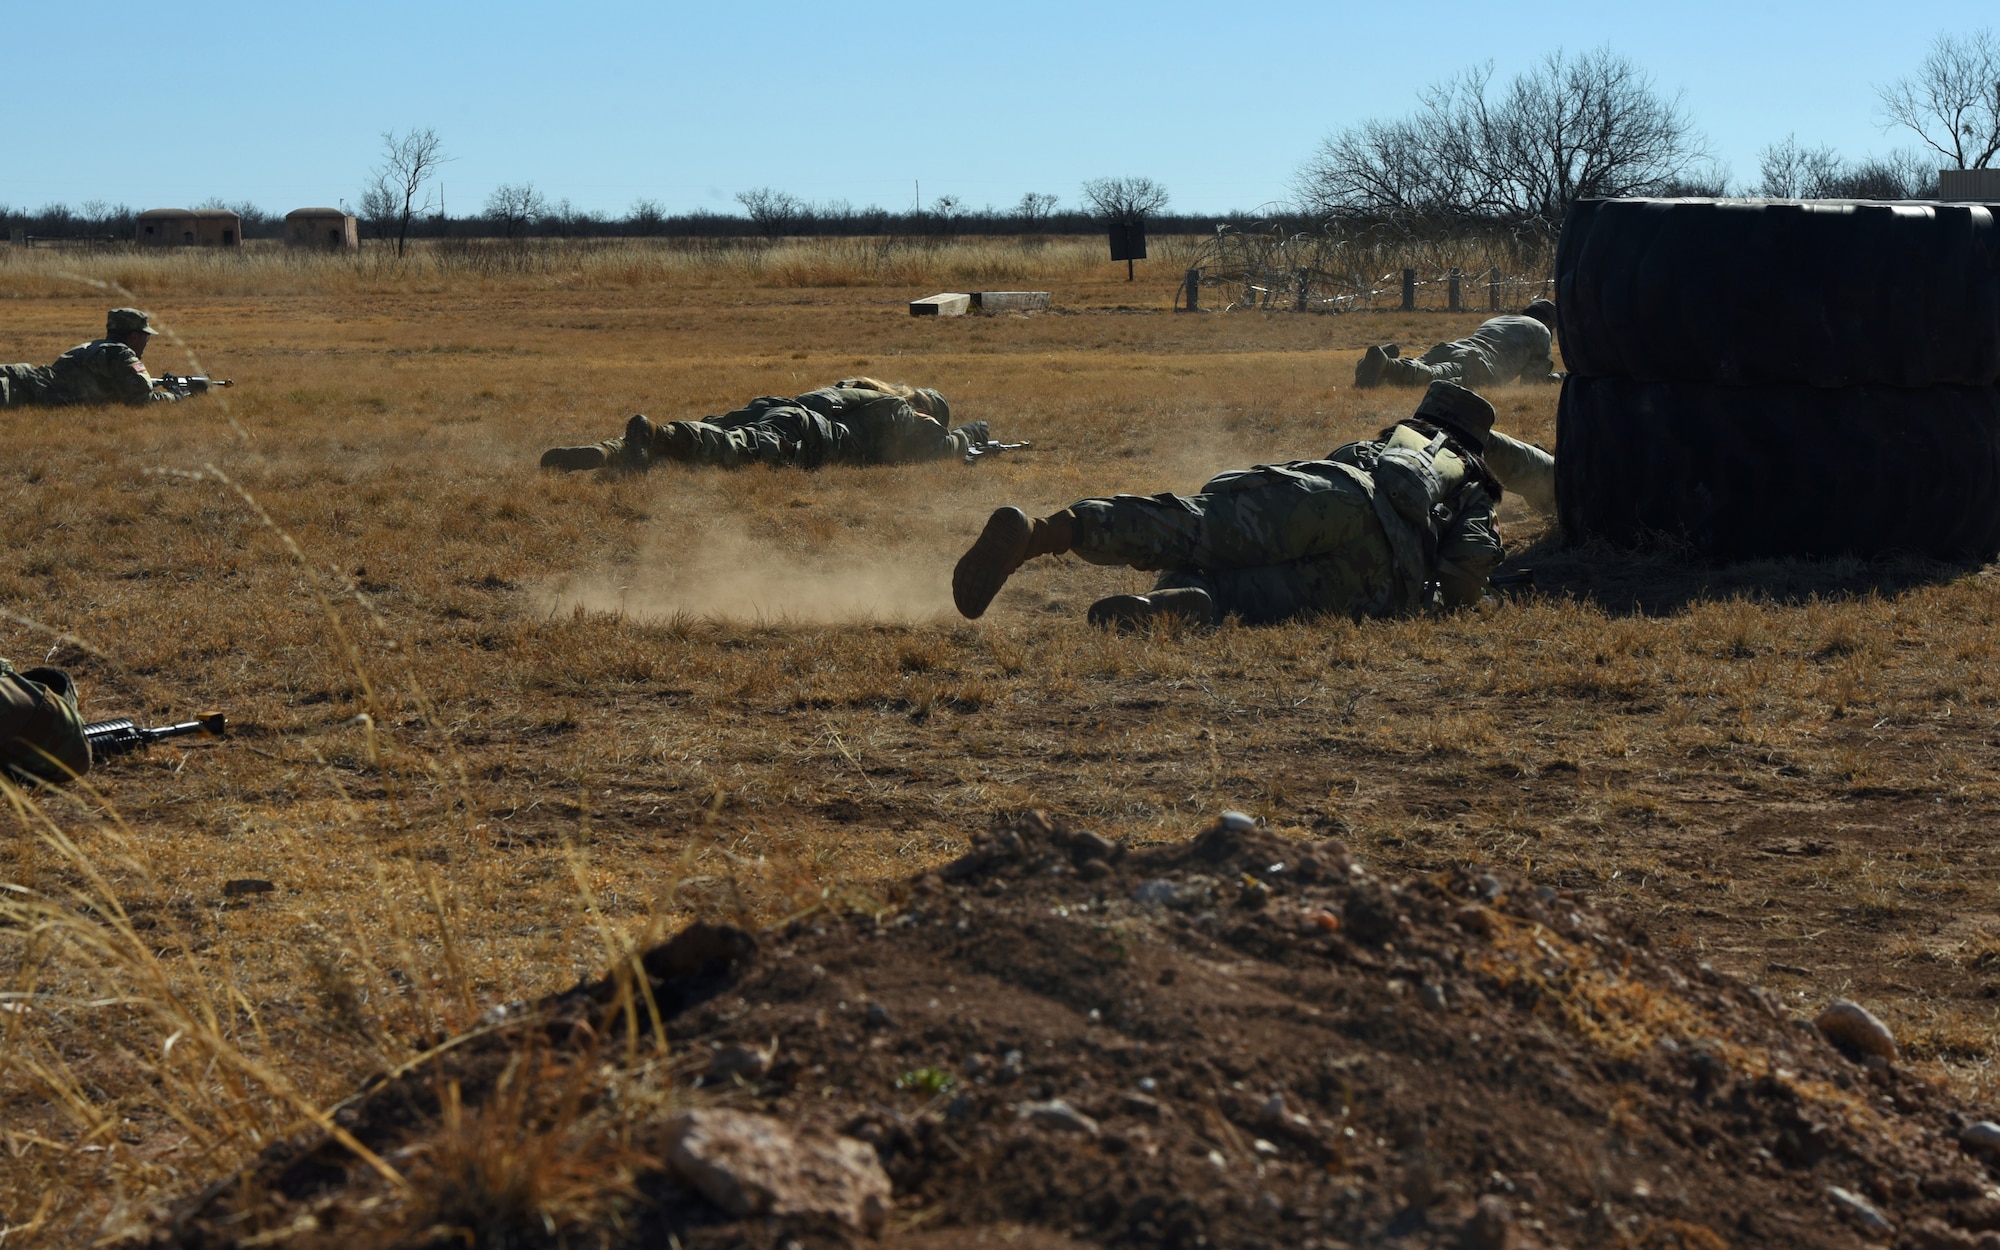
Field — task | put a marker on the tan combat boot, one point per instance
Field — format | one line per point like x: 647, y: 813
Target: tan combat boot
x: 1368, y: 371
x: 1190, y: 605
x: 1009, y: 540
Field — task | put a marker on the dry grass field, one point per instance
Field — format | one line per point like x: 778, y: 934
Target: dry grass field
x: 495, y: 728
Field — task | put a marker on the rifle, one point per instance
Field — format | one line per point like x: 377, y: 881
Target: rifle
x: 989, y: 447
x: 184, y: 385
x: 117, y: 737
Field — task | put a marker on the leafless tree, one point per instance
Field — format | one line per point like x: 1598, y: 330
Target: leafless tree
x: 1572, y: 127
x: 1129, y: 200
x: 1036, y: 207
x: 1796, y: 173
x: 1790, y: 172
x: 1952, y: 103
x: 646, y: 216
x: 398, y: 190
x: 775, y: 212
x: 516, y: 206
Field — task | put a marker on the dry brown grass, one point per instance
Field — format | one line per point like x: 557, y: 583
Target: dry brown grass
x: 497, y: 727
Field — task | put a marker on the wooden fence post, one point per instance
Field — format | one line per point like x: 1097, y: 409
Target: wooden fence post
x: 1194, y: 290
x: 1493, y: 289
x: 1409, y: 290
x: 1451, y: 289
x: 1301, y: 284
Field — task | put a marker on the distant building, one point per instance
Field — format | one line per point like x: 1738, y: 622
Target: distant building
x: 321, y: 227
x: 188, y: 227
x: 1980, y: 185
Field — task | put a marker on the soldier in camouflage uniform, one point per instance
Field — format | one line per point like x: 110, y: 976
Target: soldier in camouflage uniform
x: 103, y: 371
x: 1501, y: 350
x: 1378, y: 528
x: 41, y: 730
x: 854, y: 421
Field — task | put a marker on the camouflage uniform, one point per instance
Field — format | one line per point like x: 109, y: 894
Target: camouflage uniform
x: 839, y: 424
x: 1502, y: 350
x: 1378, y: 528
x: 41, y: 731
x: 102, y: 371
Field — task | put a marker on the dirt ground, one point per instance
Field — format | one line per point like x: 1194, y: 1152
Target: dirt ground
x: 1239, y: 1040
x: 495, y: 726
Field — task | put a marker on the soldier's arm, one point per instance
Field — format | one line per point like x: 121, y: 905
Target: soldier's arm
x: 1469, y: 549
x: 130, y: 379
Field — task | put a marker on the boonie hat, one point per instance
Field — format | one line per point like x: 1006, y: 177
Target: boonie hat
x: 1462, y: 412
x: 124, y: 321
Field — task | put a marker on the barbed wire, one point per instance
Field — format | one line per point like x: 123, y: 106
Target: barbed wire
x: 1343, y: 266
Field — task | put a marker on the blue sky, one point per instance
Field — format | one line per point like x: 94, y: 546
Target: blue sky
x: 283, y: 104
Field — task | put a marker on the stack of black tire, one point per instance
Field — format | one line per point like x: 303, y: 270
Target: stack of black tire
x: 1773, y: 378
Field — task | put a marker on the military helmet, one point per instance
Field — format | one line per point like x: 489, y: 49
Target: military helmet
x: 1458, y: 411
x: 120, y: 322
x: 1542, y: 310
x: 934, y: 404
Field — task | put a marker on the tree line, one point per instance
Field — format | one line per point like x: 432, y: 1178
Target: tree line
x: 1474, y: 150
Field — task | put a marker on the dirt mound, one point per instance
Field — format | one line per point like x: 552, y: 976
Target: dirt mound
x: 1240, y: 1040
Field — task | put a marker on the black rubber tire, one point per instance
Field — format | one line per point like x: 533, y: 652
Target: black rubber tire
x: 1775, y: 293
x: 1742, y: 472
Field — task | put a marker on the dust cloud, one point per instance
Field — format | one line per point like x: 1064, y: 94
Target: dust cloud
x: 733, y: 576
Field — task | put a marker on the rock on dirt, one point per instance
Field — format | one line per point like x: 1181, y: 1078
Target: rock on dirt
x: 755, y: 1165
x: 1856, y: 1029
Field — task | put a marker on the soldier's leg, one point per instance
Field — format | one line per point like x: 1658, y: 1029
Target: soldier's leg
x: 1523, y: 468
x: 1008, y: 541
x: 1189, y: 605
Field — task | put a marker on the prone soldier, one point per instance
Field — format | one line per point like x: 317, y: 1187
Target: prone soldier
x: 1515, y: 348
x: 854, y: 421
x: 1382, y: 527
x: 109, y: 370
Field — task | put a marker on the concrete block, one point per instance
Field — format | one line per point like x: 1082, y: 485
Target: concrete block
x: 1010, y: 301
x: 946, y: 305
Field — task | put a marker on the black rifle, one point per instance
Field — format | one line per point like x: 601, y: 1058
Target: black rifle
x: 184, y: 385
x: 117, y: 737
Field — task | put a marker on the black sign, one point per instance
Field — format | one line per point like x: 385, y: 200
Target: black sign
x: 1128, y: 240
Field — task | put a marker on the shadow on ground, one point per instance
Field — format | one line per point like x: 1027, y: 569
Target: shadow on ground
x: 1663, y: 578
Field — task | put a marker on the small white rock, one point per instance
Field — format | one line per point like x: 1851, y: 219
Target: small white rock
x: 1848, y: 1023
x: 1057, y: 1114
x: 1858, y: 1209
x: 1981, y: 1138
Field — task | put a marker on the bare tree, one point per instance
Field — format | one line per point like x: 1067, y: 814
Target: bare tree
x: 1572, y: 127
x: 1036, y: 207
x: 1790, y: 172
x: 1952, y: 103
x: 1128, y: 200
x: 1795, y: 173
x: 516, y: 206
x: 646, y: 216
x: 398, y: 189
x: 775, y: 212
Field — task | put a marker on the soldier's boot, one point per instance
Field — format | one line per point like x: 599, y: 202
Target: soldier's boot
x: 1368, y: 372
x: 1009, y: 540
x: 574, y: 459
x: 1190, y: 605
x: 636, y: 447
